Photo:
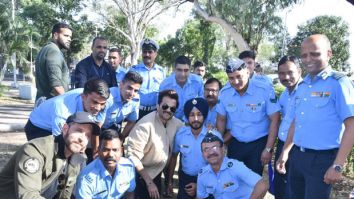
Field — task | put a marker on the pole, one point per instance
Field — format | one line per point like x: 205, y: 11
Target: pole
x: 13, y: 57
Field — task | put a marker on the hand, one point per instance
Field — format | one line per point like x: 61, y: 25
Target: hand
x: 191, y: 189
x: 332, y: 176
x: 169, y: 190
x: 153, y: 191
x: 280, y: 165
x: 266, y: 157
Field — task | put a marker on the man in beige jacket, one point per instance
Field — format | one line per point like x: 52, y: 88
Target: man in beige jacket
x: 150, y: 144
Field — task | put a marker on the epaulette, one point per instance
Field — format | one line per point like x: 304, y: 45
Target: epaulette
x: 337, y: 75
x: 260, y: 84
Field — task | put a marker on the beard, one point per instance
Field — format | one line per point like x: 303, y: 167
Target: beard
x: 196, y: 125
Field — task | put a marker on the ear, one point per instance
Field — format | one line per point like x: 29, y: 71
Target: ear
x: 65, y: 130
x: 55, y: 35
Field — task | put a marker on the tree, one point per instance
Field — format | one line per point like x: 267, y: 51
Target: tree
x: 337, y: 32
x: 247, y: 21
x: 138, y: 15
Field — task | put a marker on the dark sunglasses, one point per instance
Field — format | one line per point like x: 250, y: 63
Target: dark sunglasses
x: 165, y: 107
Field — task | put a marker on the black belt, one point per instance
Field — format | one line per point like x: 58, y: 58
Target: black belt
x: 147, y: 108
x: 306, y: 150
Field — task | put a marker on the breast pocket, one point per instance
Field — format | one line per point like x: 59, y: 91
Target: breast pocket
x: 254, y: 112
x: 319, y: 102
x: 185, y: 149
x: 230, y: 187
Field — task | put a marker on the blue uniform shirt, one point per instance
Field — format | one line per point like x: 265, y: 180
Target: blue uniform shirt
x: 152, y: 79
x: 320, y: 107
x: 94, y: 180
x: 51, y: 115
x: 117, y: 111
x: 262, y: 78
x: 211, y: 119
x: 248, y: 114
x: 189, y: 147
x: 284, y: 101
x: 120, y: 73
x: 191, y: 89
x: 234, y: 180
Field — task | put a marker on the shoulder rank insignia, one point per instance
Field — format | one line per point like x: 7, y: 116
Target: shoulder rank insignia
x: 230, y: 164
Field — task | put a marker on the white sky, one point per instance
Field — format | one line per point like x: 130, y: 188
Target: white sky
x: 297, y: 15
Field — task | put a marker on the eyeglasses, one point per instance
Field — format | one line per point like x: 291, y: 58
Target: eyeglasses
x: 209, y: 149
x: 211, y: 91
x: 165, y: 107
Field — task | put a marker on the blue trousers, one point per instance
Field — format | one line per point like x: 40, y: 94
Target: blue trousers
x: 307, y: 170
x: 249, y: 153
x: 281, y: 188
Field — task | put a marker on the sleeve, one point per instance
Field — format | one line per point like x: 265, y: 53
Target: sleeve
x: 80, y: 75
x: 83, y: 187
x: 28, y: 172
x: 344, y: 101
x: 176, y: 145
x: 137, y: 140
x: 220, y: 109
x: 54, y: 62
x: 201, y: 191
x: 134, y: 115
x: 132, y: 181
x: 272, y: 104
x: 57, y: 121
x: 245, y: 174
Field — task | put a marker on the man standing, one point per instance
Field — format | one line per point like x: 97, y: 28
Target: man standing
x: 249, y: 57
x: 211, y: 93
x: 50, y: 116
x: 186, y: 85
x: 150, y: 143
x: 114, y: 59
x: 187, y: 142
x: 152, y: 74
x: 52, y: 72
x: 95, y: 65
x: 321, y: 134
x: 110, y: 175
x: 251, y: 108
x: 224, y: 177
x: 199, y: 68
x: 47, y: 167
x: 289, y: 73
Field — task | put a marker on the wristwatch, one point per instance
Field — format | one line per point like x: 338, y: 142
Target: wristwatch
x: 269, y: 149
x: 338, y: 168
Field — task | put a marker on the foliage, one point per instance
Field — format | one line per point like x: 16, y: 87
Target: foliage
x: 337, y: 32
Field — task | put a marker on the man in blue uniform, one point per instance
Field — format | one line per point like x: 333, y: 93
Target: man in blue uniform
x: 320, y: 143
x: 124, y: 104
x: 187, y: 142
x: 225, y: 178
x: 199, y: 68
x: 251, y: 108
x: 249, y: 57
x: 114, y: 59
x: 212, y: 88
x: 50, y: 116
x: 110, y: 175
x: 289, y: 73
x: 95, y: 65
x: 152, y: 74
x: 187, y: 85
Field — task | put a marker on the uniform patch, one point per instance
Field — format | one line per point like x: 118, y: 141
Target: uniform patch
x: 230, y: 164
x: 31, y: 165
x: 229, y: 184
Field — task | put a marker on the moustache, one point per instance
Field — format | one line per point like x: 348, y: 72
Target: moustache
x: 210, y: 96
x: 212, y: 155
x: 110, y: 158
x: 146, y: 57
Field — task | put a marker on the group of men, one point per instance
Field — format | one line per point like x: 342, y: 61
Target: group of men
x: 311, y: 124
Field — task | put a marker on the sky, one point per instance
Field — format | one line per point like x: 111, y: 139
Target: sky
x: 295, y: 16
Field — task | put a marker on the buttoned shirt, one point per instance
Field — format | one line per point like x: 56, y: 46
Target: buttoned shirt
x: 284, y: 100
x: 152, y: 78
x: 192, y: 88
x: 248, y: 114
x: 117, y: 110
x: 95, y: 181
x: 51, y: 115
x: 190, y: 148
x: 211, y: 119
x: 120, y: 73
x: 320, y: 107
x: 233, y: 180
x: 87, y: 69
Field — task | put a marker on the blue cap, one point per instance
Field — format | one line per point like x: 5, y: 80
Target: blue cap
x: 235, y: 64
x: 149, y: 44
x: 210, y: 137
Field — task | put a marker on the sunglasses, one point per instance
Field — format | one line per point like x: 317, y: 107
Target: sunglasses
x: 165, y: 107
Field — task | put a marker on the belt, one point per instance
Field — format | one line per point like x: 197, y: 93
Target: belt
x: 305, y: 150
x: 147, y: 108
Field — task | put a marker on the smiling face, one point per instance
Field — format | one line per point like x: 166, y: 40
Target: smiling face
x: 289, y: 74
x: 93, y: 103
x: 164, y: 111
x: 182, y: 72
x: 211, y: 92
x: 76, y: 136
x: 114, y: 59
x: 195, y: 119
x: 110, y: 152
x: 239, y: 79
x: 149, y: 57
x: 213, y: 152
x: 128, y: 90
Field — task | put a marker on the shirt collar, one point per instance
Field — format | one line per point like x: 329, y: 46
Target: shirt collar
x: 173, y: 76
x: 324, y: 74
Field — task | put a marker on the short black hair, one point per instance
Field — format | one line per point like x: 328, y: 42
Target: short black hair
x: 98, y: 86
x: 56, y: 28
x: 182, y: 60
x: 247, y: 54
x: 109, y: 134
x: 289, y: 58
x: 212, y: 80
x: 98, y: 38
x: 133, y: 77
x: 115, y: 49
x: 198, y: 64
x: 168, y: 93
